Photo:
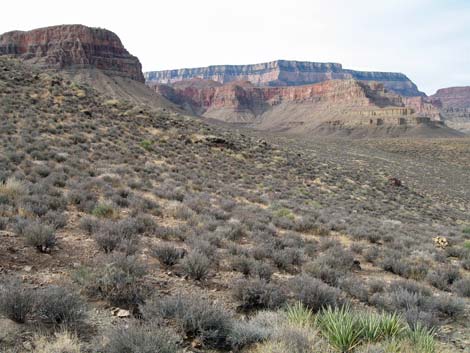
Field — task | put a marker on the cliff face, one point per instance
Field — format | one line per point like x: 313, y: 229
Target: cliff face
x: 72, y: 47
x: 294, y: 108
x: 208, y: 96
x: 453, y: 97
x: 285, y: 73
x: 455, y: 106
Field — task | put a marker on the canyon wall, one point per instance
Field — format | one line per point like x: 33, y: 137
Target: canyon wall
x: 453, y: 97
x: 285, y: 73
x: 72, y: 47
x: 335, y: 102
x: 455, y: 106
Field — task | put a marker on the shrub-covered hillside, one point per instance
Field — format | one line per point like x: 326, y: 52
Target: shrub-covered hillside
x: 127, y: 230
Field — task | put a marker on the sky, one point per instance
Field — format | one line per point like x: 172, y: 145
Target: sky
x: 428, y: 40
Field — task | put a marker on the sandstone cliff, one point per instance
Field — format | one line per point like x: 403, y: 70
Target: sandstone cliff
x: 285, y: 73
x: 334, y: 104
x: 72, y: 47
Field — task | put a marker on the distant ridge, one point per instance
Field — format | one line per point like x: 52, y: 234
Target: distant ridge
x: 285, y: 73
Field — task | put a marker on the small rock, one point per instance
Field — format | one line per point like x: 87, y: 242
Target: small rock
x: 196, y: 343
x: 441, y: 242
x: 27, y: 268
x: 121, y: 313
x: 27, y: 345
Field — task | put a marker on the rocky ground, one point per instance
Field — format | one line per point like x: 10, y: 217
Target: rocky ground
x: 152, y: 229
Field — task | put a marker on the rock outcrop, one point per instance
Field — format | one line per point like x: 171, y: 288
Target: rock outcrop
x: 72, y: 47
x: 285, y: 73
x: 454, y: 105
x: 326, y: 106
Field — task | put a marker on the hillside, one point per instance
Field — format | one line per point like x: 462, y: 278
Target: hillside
x: 201, y: 235
x: 89, y: 55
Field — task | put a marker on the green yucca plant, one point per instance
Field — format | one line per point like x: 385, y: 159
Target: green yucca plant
x: 423, y: 339
x: 340, y: 327
x: 392, y: 325
x: 371, y: 326
x: 380, y: 326
x: 299, y: 315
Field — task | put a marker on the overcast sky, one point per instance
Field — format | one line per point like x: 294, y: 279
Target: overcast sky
x: 429, y: 40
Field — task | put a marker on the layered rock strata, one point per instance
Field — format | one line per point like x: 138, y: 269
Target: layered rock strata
x: 285, y: 73
x: 72, y: 47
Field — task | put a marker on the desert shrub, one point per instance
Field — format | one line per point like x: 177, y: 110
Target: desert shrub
x: 258, y: 294
x: 286, y: 258
x: 89, y: 224
x: 443, y: 277
x: 371, y: 254
x: 332, y: 265
x: 394, y: 263
x: 84, y: 200
x: 62, y: 342
x: 144, y: 205
x: 356, y: 248
x: 233, y: 231
x: 354, y: 287
x: 195, y: 316
x: 243, y: 264
x: 447, y: 306
x: 263, y: 270
x: 55, y: 219
x: 41, y: 236
x: 183, y: 212
x: 315, y: 294
x: 410, y: 286
x: 16, y: 301
x: 462, y: 287
x: 179, y: 232
x: 296, y: 339
x: 117, y: 279
x: 107, y: 239
x: 417, y: 304
x: 196, y: 265
x: 143, y: 223
x: 466, y: 263
x: 57, y: 305
x: 139, y: 338
x: 3, y: 223
x: 291, y: 338
x: 170, y: 192
x: 118, y: 235
x: 103, y: 210
x: 245, y: 333
x: 324, y: 272
x: 42, y: 170
x: 168, y: 255
x: 12, y: 189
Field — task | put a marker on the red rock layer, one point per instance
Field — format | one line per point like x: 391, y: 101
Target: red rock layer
x: 72, y: 47
x: 211, y: 95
